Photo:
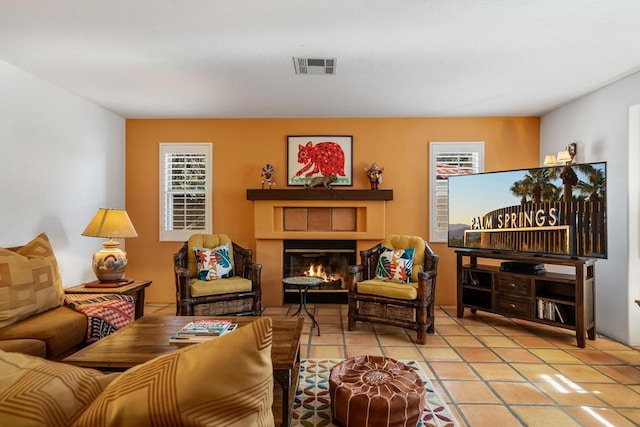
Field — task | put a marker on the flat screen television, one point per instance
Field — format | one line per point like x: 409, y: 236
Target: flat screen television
x: 552, y: 210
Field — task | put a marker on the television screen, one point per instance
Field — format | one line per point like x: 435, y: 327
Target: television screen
x: 552, y: 210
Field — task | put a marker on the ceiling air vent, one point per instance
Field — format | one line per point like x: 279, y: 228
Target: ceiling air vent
x: 315, y: 65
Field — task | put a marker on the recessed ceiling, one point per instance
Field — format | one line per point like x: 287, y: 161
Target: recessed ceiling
x: 397, y: 58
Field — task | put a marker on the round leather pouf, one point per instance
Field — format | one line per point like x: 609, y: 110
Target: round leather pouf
x: 375, y: 391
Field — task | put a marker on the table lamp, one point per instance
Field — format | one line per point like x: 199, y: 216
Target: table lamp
x: 110, y: 262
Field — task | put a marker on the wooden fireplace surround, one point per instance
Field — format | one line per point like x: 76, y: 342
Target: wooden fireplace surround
x: 312, y: 214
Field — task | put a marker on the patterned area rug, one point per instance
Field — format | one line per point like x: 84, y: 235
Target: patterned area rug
x: 311, y: 404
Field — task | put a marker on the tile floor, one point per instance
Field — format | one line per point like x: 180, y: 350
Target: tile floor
x: 492, y: 370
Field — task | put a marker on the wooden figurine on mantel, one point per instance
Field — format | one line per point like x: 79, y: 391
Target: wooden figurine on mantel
x: 374, y: 172
x: 268, y: 175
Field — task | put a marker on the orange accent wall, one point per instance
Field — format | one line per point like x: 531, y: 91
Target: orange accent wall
x: 241, y: 147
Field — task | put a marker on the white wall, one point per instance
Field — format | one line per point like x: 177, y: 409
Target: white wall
x: 61, y: 158
x: 599, y: 122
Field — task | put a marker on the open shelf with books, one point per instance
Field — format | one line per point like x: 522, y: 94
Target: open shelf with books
x: 565, y: 300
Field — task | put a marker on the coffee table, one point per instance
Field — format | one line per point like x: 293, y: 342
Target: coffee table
x: 148, y: 337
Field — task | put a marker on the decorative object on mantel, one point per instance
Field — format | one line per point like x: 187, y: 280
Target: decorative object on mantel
x: 324, y: 181
x: 268, y: 175
x: 374, y: 172
x: 110, y: 262
x: 320, y: 156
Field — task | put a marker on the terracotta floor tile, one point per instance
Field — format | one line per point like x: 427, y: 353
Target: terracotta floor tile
x: 594, y: 357
x: 478, y: 355
x: 482, y: 330
x: 331, y: 309
x: 582, y: 374
x: 382, y: 329
x: 568, y: 394
x: 623, y: 374
x: 451, y: 330
x: 516, y: 355
x: 535, y: 371
x: 554, y: 355
x: 496, y: 341
x: 631, y: 414
x: 607, y: 344
x: 615, y: 395
x: 445, y: 321
x: 327, y: 318
x: 400, y: 353
x: 326, y: 339
x: 533, y: 342
x: 599, y: 416
x: 359, y: 350
x: 520, y: 393
x: 361, y: 339
x: 330, y: 328
x: 439, y: 354
x: 435, y: 341
x: 361, y: 327
x: 453, y: 371
x: 489, y: 415
x: 544, y: 416
x: 514, y: 330
x: 326, y: 351
x: 496, y: 372
x: 470, y: 392
x: 631, y: 357
x: 395, y: 340
x: 463, y: 341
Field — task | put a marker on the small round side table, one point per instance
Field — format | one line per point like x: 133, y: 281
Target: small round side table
x: 303, y: 283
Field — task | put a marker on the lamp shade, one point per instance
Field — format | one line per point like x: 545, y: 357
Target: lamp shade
x: 550, y: 160
x: 110, y: 223
x: 110, y: 262
x: 564, y: 157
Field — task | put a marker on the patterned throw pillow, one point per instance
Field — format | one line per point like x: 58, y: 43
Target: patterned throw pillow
x: 223, y: 382
x: 395, y: 265
x: 214, y: 263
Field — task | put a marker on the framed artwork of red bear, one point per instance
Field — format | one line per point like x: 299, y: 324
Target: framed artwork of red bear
x: 313, y: 157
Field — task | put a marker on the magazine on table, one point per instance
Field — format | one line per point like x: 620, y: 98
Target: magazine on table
x: 186, y: 339
x: 204, y: 327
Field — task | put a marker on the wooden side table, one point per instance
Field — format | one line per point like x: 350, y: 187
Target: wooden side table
x: 135, y: 289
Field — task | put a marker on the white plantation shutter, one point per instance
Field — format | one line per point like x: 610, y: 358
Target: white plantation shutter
x: 447, y: 159
x: 185, y: 188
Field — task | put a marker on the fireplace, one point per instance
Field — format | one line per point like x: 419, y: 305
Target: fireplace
x: 327, y: 259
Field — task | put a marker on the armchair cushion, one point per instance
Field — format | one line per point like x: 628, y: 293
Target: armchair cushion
x: 385, y: 288
x: 221, y: 286
x: 395, y: 241
x: 214, y: 263
x: 395, y: 264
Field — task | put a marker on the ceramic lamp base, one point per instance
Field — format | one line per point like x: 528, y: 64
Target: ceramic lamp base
x: 110, y: 262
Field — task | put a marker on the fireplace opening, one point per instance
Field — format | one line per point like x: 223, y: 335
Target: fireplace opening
x: 327, y: 259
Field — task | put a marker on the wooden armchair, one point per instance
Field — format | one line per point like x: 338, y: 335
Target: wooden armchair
x: 408, y: 305
x: 237, y: 295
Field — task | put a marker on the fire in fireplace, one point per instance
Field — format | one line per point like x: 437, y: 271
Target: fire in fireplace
x: 327, y: 259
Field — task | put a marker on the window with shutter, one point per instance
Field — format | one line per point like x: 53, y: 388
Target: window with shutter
x: 185, y: 188
x: 447, y: 159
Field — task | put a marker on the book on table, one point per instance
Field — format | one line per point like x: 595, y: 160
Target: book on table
x: 184, y: 339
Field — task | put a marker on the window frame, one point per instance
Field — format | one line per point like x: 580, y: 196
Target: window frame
x: 436, y: 148
x: 206, y: 148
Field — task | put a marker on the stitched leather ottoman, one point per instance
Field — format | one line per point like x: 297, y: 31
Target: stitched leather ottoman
x: 375, y: 391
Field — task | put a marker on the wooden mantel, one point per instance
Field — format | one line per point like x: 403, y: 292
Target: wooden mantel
x: 319, y: 194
